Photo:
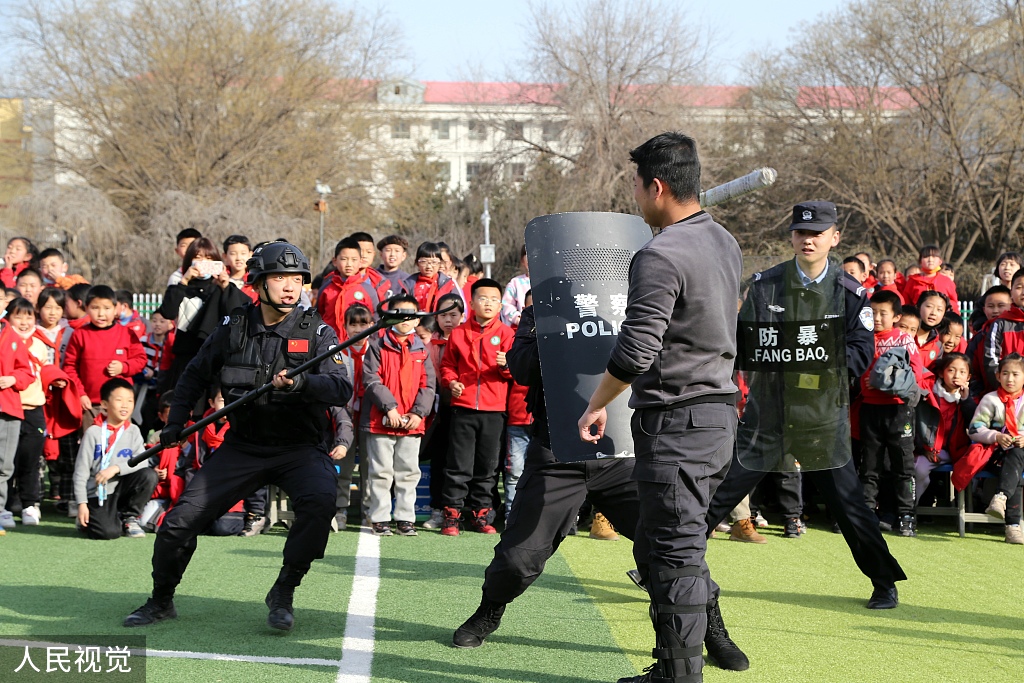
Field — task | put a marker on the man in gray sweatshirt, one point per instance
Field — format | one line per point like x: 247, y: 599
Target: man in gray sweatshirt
x: 676, y: 348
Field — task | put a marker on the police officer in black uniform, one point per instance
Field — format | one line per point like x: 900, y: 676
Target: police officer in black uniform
x: 278, y: 439
x: 547, y: 500
x: 807, y: 412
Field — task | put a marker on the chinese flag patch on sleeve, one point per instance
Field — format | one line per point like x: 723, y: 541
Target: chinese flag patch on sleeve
x: 298, y: 346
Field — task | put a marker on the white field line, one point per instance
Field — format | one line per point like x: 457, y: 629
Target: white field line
x: 357, y: 647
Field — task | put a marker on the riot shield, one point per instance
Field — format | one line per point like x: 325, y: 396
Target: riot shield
x: 791, y: 351
x: 579, y: 273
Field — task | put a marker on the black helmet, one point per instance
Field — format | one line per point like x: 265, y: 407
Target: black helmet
x: 277, y: 257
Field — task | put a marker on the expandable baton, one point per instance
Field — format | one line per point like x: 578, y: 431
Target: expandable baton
x: 753, y: 181
x: 385, y: 318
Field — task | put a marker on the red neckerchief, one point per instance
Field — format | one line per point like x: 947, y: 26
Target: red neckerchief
x: 79, y: 323
x: 407, y: 384
x: 425, y: 291
x: 1009, y: 402
x: 213, y: 436
x: 476, y: 338
x: 356, y: 354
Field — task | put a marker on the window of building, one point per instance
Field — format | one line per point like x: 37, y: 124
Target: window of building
x: 551, y: 131
x: 442, y: 129
x: 514, y: 130
x: 515, y: 172
x: 477, y: 130
x: 476, y: 171
x: 401, y: 130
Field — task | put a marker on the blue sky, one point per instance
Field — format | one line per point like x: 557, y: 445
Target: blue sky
x: 469, y: 39
x: 462, y: 39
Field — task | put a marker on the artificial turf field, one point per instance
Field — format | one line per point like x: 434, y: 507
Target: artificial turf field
x: 795, y: 606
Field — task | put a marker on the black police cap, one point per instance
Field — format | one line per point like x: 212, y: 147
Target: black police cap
x: 814, y: 216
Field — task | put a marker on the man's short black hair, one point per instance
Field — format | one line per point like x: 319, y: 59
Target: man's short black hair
x: 237, y: 239
x: 672, y: 159
x: 856, y: 261
x: 484, y: 282
x: 100, y: 292
x: 910, y: 310
x: 1000, y: 289
x: 114, y: 383
x: 186, y: 233
x: 124, y: 297
x: 884, y: 296
x: 361, y: 237
x: 47, y: 253
x: 79, y: 292
x: 347, y: 243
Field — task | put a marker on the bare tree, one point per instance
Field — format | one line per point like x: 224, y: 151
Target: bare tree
x: 186, y: 95
x: 906, y: 112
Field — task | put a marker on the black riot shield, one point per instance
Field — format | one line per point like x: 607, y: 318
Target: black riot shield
x: 792, y: 355
x: 579, y: 273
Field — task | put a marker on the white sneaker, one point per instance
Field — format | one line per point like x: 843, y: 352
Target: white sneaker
x: 1014, y: 535
x: 723, y: 528
x: 30, y: 515
x: 996, y: 508
x: 760, y: 522
x: 435, y: 521
x: 6, y: 520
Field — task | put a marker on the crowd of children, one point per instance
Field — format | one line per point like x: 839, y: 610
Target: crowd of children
x: 86, y: 382
x: 942, y: 391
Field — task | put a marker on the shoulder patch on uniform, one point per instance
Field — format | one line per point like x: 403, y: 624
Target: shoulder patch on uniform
x: 867, y: 318
x: 320, y: 330
x: 226, y: 321
x: 757, y: 276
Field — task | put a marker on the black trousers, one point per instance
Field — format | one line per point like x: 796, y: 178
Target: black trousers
x: 547, y: 497
x: 682, y: 457
x: 306, y: 474
x: 127, y: 500
x: 844, y: 495
x: 472, y: 466
x: 28, y: 457
x: 788, y: 488
x: 1009, y: 474
x: 888, y: 429
x: 434, y: 449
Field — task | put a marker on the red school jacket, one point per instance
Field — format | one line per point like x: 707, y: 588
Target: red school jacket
x: 471, y: 358
x: 91, y: 350
x: 382, y: 370
x: 917, y: 285
x: 14, y: 362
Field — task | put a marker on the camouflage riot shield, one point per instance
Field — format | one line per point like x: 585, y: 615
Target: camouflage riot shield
x: 791, y: 351
x: 579, y: 273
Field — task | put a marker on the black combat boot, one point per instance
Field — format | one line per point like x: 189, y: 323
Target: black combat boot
x: 721, y: 650
x: 150, y: 613
x: 279, y: 600
x: 485, y: 621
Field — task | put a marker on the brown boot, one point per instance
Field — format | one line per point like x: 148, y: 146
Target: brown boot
x: 744, y: 530
x: 602, y: 529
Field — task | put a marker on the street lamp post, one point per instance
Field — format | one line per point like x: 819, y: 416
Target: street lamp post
x: 322, y: 189
x: 487, y: 249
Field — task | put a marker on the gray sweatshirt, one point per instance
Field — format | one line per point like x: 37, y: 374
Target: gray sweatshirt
x: 678, y: 341
x: 90, y: 455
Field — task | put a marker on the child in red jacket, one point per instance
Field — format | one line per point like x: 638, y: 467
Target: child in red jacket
x: 943, y: 415
x: 886, y: 421
x: 399, y: 380
x: 345, y: 287
x: 101, y: 350
x: 475, y: 371
x: 16, y: 374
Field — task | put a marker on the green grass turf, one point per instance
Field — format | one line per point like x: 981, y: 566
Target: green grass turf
x: 796, y: 607
x: 57, y: 582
